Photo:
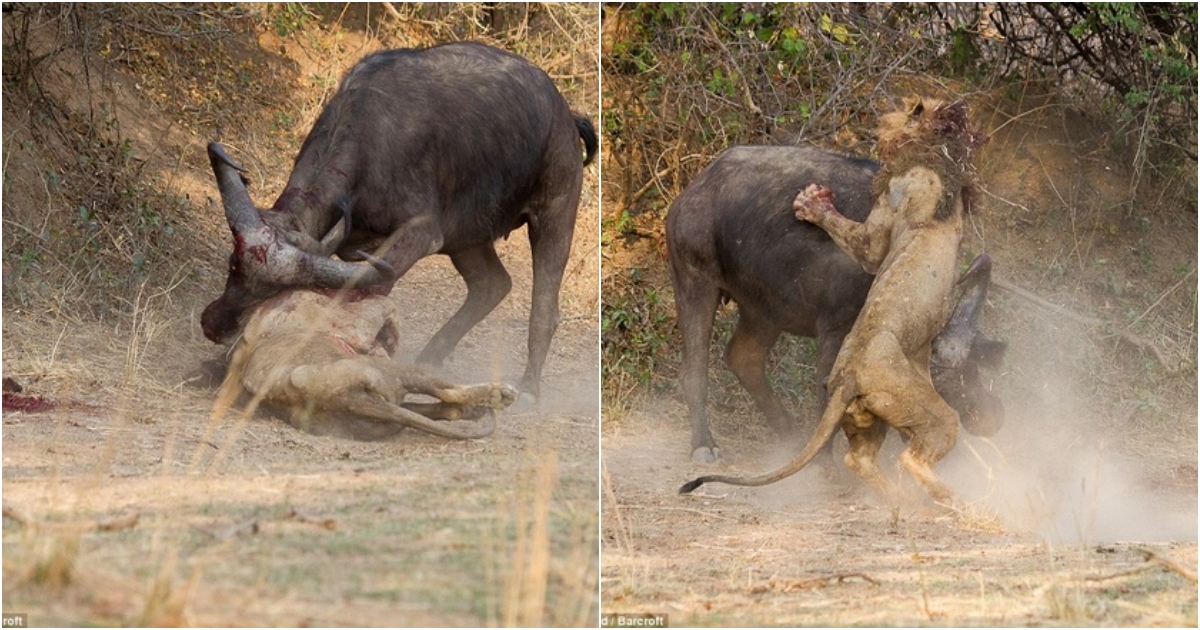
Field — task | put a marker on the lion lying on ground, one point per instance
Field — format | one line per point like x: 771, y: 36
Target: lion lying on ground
x: 910, y: 241
x: 327, y: 363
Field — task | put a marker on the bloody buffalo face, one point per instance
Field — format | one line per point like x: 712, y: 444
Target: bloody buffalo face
x: 265, y: 260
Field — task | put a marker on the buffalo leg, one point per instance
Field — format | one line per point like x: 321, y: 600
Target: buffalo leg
x: 696, y: 302
x: 550, y: 246
x: 412, y: 241
x: 746, y: 356
x: 487, y: 284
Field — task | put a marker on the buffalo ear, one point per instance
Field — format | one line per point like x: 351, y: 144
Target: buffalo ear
x: 915, y: 106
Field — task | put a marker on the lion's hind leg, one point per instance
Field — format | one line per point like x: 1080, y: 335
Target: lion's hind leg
x: 446, y: 411
x: 471, y: 400
x: 461, y: 402
x: 493, y: 396
x: 904, y: 397
x: 454, y: 427
x: 866, y: 438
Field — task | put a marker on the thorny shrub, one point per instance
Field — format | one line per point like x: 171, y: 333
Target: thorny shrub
x: 684, y: 81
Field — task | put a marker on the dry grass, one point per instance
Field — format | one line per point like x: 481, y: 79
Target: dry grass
x: 524, y: 587
x: 1064, y: 182
x: 101, y: 315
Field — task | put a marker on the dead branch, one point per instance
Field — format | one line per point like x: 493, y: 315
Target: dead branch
x: 1125, y: 335
x: 680, y: 509
x: 657, y: 177
x: 1153, y: 560
x: 1157, y: 558
x: 788, y: 586
x: 113, y: 524
x: 329, y: 523
x: 12, y: 514
x: 118, y: 523
x: 1046, y: 304
x: 1120, y: 574
x: 1161, y: 298
x: 392, y: 10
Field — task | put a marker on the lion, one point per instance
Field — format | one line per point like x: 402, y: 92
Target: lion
x: 326, y: 360
x: 910, y: 242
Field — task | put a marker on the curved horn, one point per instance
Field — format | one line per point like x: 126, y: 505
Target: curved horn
x: 333, y: 238
x: 953, y: 343
x: 265, y: 256
x: 335, y: 274
x: 380, y: 265
x: 980, y: 269
x: 336, y: 236
x: 239, y: 210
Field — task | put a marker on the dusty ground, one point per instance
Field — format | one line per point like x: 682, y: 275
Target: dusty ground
x: 129, y: 503
x: 420, y: 531
x: 1093, y: 473
x: 811, y: 552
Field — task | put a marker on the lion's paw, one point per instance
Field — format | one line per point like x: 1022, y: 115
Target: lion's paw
x: 489, y: 395
x: 502, y: 396
x: 813, y: 203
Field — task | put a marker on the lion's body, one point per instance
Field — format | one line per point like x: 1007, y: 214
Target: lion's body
x: 327, y: 362
x: 910, y: 241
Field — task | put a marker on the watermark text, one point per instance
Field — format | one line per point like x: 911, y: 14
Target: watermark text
x: 646, y: 620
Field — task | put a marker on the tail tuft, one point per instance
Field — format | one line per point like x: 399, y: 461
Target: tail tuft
x: 692, y: 485
x: 587, y: 133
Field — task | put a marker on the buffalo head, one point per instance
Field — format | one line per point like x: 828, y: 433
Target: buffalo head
x: 960, y: 350
x: 268, y: 258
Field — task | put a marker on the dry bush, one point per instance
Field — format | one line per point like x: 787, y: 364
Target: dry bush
x: 683, y: 82
x: 113, y: 244
x: 107, y: 108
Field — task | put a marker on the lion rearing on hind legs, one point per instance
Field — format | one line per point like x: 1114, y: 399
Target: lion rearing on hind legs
x: 910, y: 241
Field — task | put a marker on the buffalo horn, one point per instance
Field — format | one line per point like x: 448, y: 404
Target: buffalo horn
x: 331, y: 273
x: 282, y: 263
x: 239, y: 210
x: 953, y: 344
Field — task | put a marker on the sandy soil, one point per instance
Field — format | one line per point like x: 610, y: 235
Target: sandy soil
x: 1029, y: 548
x: 129, y: 503
x: 1078, y: 512
x: 435, y: 531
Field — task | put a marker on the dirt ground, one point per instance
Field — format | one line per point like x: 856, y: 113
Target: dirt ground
x: 1068, y: 551
x: 129, y: 503
x: 1081, y: 511
x: 250, y: 522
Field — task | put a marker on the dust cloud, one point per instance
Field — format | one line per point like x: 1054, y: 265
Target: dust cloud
x: 1048, y: 472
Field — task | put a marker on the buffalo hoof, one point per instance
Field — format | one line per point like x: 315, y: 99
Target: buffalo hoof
x: 706, y: 454
x: 524, y: 402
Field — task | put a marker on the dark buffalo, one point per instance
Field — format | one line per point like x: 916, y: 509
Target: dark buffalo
x: 441, y: 150
x: 733, y: 235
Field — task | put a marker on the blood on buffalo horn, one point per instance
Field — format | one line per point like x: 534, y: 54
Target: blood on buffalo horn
x: 262, y: 255
x: 239, y: 210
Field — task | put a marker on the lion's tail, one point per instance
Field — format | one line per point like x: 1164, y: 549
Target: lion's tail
x: 829, y: 423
